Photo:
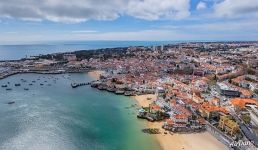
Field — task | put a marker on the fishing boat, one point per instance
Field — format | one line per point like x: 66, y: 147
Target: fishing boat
x: 4, y: 85
x: 128, y: 93
x: 102, y: 87
x: 120, y: 92
x: 23, y: 80
x: 12, y: 102
x: 17, y: 84
x: 111, y: 89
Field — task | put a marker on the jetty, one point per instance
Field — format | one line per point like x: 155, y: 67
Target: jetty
x: 75, y: 85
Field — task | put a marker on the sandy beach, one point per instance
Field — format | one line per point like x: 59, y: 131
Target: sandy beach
x: 172, y: 141
x: 95, y: 74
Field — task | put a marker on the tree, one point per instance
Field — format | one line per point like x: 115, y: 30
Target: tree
x: 246, y: 118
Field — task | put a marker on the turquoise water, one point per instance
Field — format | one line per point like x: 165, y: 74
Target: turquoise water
x: 12, y: 52
x: 58, y: 117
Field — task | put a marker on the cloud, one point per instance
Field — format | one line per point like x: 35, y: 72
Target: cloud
x: 227, y: 30
x: 201, y: 5
x: 156, y: 9
x: 62, y: 10
x: 236, y: 8
x: 73, y: 11
x: 234, y: 26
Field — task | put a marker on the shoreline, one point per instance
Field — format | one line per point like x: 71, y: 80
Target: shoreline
x: 178, y: 141
x: 172, y: 141
x: 95, y: 74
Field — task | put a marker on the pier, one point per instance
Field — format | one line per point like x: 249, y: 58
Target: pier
x: 75, y: 85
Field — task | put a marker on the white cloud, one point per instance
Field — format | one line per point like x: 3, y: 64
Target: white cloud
x: 156, y: 9
x: 244, y: 26
x: 62, y: 10
x: 73, y: 11
x: 236, y: 8
x: 201, y: 5
x: 228, y: 30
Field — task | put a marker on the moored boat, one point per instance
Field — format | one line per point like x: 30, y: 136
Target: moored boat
x: 102, y: 87
x: 12, y: 102
x: 17, y: 84
x: 120, y: 92
x: 4, y: 85
x: 109, y: 89
x: 128, y: 93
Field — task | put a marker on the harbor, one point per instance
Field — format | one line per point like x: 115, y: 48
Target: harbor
x: 69, y: 111
x: 187, y: 95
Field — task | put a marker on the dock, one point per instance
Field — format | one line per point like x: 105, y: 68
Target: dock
x: 75, y: 85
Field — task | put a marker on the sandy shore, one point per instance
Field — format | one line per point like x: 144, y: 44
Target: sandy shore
x: 144, y: 100
x: 172, y: 141
x: 95, y: 74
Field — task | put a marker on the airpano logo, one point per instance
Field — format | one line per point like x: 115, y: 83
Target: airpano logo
x: 241, y: 143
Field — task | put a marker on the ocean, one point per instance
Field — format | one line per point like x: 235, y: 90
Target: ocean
x: 14, y: 52
x: 53, y: 116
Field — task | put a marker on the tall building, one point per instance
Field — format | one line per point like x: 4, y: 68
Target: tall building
x: 162, y: 47
x: 154, y: 48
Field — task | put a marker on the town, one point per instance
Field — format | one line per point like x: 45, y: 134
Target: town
x: 203, y: 86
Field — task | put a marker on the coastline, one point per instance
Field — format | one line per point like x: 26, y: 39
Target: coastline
x: 95, y: 74
x: 185, y: 87
x: 179, y: 141
x: 70, y: 111
x: 172, y: 141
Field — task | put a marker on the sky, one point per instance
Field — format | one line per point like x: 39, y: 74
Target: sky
x: 29, y: 21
